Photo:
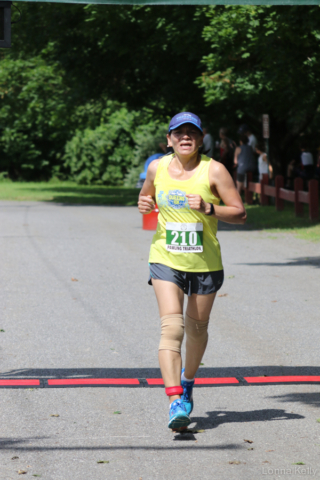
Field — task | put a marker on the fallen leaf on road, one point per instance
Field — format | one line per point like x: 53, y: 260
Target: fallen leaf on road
x: 223, y: 295
x: 269, y: 450
x: 22, y: 472
x: 248, y: 441
x: 36, y: 475
x: 231, y: 276
x: 235, y: 462
x: 14, y: 458
x: 117, y: 412
x: 55, y: 415
x: 250, y: 448
x: 318, y: 420
x: 201, y: 363
x: 103, y: 461
x: 298, y: 463
x: 266, y: 461
x: 1, y: 330
x: 274, y: 301
x: 74, y: 280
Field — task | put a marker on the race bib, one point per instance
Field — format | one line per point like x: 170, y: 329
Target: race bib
x: 184, y: 237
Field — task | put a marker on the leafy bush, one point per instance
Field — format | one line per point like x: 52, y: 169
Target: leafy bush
x: 33, y: 117
x: 147, y: 140
x: 45, y: 132
x: 102, y: 155
x: 115, y: 149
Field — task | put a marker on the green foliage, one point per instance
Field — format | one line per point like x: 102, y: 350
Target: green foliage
x: 116, y: 148
x: 141, y: 55
x: 33, y: 116
x: 147, y: 139
x: 264, y: 59
x: 102, y: 155
x: 83, y: 84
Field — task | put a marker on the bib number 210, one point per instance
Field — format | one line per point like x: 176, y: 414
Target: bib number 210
x: 184, y: 237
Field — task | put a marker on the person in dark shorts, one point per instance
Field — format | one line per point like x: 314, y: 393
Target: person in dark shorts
x: 245, y: 161
x: 185, y: 255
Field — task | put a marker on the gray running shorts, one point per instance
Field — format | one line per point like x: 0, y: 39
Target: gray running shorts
x: 201, y: 283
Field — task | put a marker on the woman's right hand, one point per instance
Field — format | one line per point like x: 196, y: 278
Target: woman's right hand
x: 146, y: 204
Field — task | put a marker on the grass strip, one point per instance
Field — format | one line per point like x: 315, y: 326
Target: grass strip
x: 68, y: 192
x: 267, y: 218
x: 259, y: 218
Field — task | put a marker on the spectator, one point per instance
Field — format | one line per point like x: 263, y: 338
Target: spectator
x: 303, y: 167
x: 207, y: 147
x: 245, y: 161
x: 227, y: 149
x: 252, y: 140
x: 226, y: 156
x: 263, y: 165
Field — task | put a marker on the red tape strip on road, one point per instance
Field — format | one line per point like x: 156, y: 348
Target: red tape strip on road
x: 93, y: 381
x: 290, y: 378
x: 198, y: 381
x: 154, y: 381
x: 211, y: 381
x: 19, y: 383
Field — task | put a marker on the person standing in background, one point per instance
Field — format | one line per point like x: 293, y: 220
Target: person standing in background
x: 263, y: 165
x: 227, y: 149
x: 245, y: 161
x: 207, y: 148
x: 252, y: 139
x: 302, y: 167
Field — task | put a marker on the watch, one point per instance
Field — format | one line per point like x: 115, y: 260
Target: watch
x: 211, y: 210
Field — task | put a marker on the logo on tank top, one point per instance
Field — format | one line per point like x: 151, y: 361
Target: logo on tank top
x: 177, y: 199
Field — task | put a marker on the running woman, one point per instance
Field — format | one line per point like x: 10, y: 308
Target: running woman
x: 185, y: 254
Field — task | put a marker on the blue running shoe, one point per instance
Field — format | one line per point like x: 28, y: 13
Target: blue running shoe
x: 187, y: 396
x: 178, y: 417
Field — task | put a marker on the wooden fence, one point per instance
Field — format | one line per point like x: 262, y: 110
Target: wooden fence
x: 298, y: 196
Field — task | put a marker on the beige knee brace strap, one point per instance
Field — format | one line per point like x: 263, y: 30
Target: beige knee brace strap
x: 172, y: 330
x: 196, y: 330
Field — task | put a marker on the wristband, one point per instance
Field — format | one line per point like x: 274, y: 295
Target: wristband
x: 211, y: 210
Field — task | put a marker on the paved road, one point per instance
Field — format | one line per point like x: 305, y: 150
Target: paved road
x: 75, y: 304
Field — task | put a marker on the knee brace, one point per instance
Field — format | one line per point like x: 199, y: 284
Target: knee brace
x: 196, y: 330
x: 172, y: 330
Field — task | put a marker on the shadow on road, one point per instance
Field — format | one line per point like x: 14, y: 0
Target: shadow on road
x: 309, y: 398
x: 296, y: 262
x: 219, y: 417
x: 19, y: 444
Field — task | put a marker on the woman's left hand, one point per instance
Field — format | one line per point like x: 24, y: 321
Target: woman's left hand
x: 197, y: 203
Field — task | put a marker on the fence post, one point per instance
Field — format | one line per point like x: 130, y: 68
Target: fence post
x: 313, y: 200
x: 264, y: 199
x: 279, y: 184
x: 248, y: 195
x: 298, y: 206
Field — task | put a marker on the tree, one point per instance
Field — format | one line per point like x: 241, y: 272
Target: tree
x: 34, y: 111
x: 265, y: 59
x: 144, y: 56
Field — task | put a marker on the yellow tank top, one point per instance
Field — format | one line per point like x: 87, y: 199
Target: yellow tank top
x: 185, y: 239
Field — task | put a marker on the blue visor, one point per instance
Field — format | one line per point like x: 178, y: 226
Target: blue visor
x: 185, y: 117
